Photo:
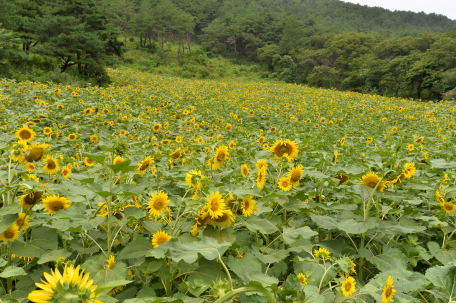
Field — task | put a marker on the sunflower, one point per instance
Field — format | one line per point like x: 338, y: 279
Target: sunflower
x: 261, y: 140
x: 419, y: 139
x: 25, y: 133
x: 411, y: 147
x: 72, y: 137
x: 93, y: 138
x: 369, y: 140
x: 285, y: 183
x: 322, y: 253
x: 118, y: 160
x: 158, y: 203
x: 47, y: 130
x: 123, y: 132
x: 216, y: 205
x: 248, y: 206
x: 192, y: 177
x: 280, y: 148
x: 29, y: 167
x: 261, y: 163
x: 34, y: 153
x: 29, y: 200
x: 66, y: 171
x: 295, y: 174
x: 232, y: 144
x: 261, y: 178
x: 51, y: 165
x: 221, y: 155
x: 342, y: 141
x: 89, y: 162
x: 159, y: 238
x: 226, y: 219
x: 10, y: 234
x: 343, y: 178
x: 175, y: 154
x: 88, y: 111
x: 144, y: 165
x: 348, y: 287
x: 157, y: 127
x: 55, y: 203
x: 111, y: 262
x: 371, y: 180
x: 70, y: 284
x: 244, y: 170
x: 448, y: 207
x: 22, y: 221
x: 335, y: 157
x: 302, y: 279
x: 388, y: 291
x: 409, y: 169
x: 115, y: 290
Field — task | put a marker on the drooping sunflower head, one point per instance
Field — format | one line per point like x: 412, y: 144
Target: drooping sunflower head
x: 261, y: 178
x: 285, y: 183
x: 216, y: 205
x: 419, y: 140
x: 343, y: 178
x: 158, y: 203
x: 176, y: 154
x: 322, y: 253
x: 409, y: 169
x: 27, y: 201
x: 89, y: 162
x: 248, y: 206
x: 72, y: 283
x: 371, y: 179
x: 221, y: 155
x: 34, y: 153
x: 55, y: 203
x: 280, y: 148
x: 25, y: 133
x: 388, y: 291
x: 226, y: 219
x: 144, y: 165
x: 295, y: 174
x: 348, y: 287
x: 159, y: 238
x: 244, y: 170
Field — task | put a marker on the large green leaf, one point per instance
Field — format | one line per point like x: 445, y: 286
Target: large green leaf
x: 135, y: 249
x: 264, y: 226
x: 12, y: 271
x: 444, y: 277
x: 43, y: 239
x: 391, y: 258
x: 95, y: 157
x: 326, y: 222
x: 443, y: 256
x: 100, y: 273
x: 291, y: 234
x: 209, y: 248
x: 352, y: 227
x: 7, y: 221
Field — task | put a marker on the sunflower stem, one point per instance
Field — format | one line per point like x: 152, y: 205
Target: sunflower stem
x: 234, y: 292
x: 227, y: 272
x: 9, y: 281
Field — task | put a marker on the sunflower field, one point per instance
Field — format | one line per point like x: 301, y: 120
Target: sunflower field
x: 159, y: 189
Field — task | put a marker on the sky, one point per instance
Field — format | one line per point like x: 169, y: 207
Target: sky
x: 441, y: 7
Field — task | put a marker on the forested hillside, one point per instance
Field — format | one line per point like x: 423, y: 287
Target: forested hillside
x: 326, y: 43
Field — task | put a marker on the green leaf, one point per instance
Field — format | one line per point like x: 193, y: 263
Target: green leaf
x: 12, y: 271
x: 443, y: 277
x: 134, y: 213
x: 442, y: 163
x: 209, y: 248
x: 264, y: 226
x: 272, y: 255
x: 10, y: 209
x: 443, y: 256
x: 95, y: 157
x: 110, y: 285
x: 352, y: 227
x: 7, y: 221
x: 124, y: 167
x: 135, y: 249
x: 391, y: 258
x: 54, y: 256
x: 43, y: 239
x: 78, y: 190
x: 197, y: 287
x: 245, y: 266
x: 325, y: 222
x: 290, y: 235
x: 224, y: 235
x: 99, y: 272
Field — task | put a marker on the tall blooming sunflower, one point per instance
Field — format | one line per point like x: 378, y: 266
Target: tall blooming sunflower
x: 448, y: 207
x: 27, y: 201
x: 348, y: 287
x: 29, y: 167
x: 221, y: 155
x: 216, y: 205
x: 248, y: 206
x: 66, y: 171
x: 261, y: 163
x: 51, y: 165
x: 158, y: 203
x: 72, y: 137
x: 25, y: 133
x: 93, y: 138
x: 118, y: 160
x: 58, y: 287
x: 295, y: 174
x: 419, y: 140
x: 261, y: 178
x: 89, y: 162
x: 55, y: 203
x: 226, y: 219
x: 244, y: 170
x: 34, y: 153
x: 411, y: 147
x: 285, y: 183
x: 280, y: 148
x: 371, y: 180
x: 47, y: 130
x: 388, y: 291
x: 22, y: 222
x: 10, y: 234
x: 144, y: 165
x: 409, y: 169
x: 159, y: 238
x: 302, y: 279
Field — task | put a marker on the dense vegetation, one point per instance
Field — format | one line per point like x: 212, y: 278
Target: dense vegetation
x: 172, y: 190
